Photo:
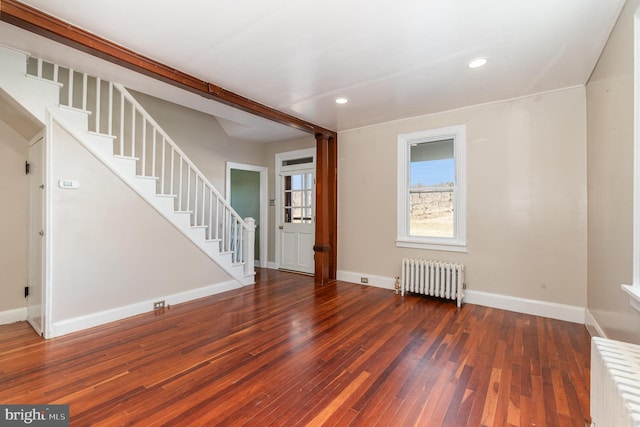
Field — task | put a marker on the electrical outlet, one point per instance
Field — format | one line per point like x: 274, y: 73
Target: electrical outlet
x: 364, y: 280
x: 158, y: 305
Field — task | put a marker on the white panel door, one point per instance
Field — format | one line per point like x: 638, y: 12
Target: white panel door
x: 36, y: 235
x: 297, y: 220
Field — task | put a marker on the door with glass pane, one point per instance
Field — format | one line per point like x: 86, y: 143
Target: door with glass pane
x: 297, y: 215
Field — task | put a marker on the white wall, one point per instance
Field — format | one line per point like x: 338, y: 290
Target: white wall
x: 610, y: 177
x: 110, y: 249
x: 14, y: 219
x: 526, y: 186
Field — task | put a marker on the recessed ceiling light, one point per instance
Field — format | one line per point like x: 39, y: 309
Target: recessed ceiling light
x: 477, y: 63
x: 341, y: 100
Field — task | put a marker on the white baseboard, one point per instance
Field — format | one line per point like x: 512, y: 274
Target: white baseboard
x: 272, y: 265
x: 12, y: 316
x: 593, y: 326
x: 377, y: 281
x: 68, y: 326
x: 569, y: 313
x: 552, y: 310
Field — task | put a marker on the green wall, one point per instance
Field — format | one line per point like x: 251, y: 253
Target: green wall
x: 245, y: 198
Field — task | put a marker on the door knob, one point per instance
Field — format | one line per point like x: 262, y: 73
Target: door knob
x: 281, y: 227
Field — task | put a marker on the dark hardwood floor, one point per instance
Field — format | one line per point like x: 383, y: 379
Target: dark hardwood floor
x: 284, y: 352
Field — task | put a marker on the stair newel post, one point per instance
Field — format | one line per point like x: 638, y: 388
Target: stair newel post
x: 249, y: 242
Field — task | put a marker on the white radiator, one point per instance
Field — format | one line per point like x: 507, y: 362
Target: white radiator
x: 615, y: 383
x: 433, y: 278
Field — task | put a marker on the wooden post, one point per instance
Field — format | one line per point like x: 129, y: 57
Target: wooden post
x: 332, y: 210
x: 324, y: 248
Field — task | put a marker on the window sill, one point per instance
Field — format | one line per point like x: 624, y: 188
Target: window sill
x: 417, y: 244
x: 634, y: 295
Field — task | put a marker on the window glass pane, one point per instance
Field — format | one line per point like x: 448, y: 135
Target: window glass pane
x: 297, y: 198
x: 297, y: 215
x: 431, y: 189
x: 297, y: 182
x: 432, y: 214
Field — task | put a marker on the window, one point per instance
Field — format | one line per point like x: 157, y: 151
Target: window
x: 298, y: 198
x: 431, y: 189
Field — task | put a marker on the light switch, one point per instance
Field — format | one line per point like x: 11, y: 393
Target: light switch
x: 68, y: 184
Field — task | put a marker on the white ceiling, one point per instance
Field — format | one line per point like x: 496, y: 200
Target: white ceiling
x: 391, y: 59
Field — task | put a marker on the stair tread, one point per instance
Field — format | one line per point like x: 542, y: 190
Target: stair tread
x: 147, y: 177
x: 78, y: 110
x: 183, y: 212
x: 106, y: 135
x: 120, y: 156
x: 167, y: 195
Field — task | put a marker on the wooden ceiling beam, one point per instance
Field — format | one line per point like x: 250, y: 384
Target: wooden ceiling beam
x: 38, y: 22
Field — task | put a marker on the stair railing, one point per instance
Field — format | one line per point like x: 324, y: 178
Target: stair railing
x: 115, y: 112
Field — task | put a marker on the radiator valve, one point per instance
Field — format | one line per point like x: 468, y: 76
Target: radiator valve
x: 397, y: 284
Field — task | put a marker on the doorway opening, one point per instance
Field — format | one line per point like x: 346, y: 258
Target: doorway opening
x: 246, y: 190
x: 36, y: 173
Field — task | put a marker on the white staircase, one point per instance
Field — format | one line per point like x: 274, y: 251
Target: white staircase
x: 111, y: 124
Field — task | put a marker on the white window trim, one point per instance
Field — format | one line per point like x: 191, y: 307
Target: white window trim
x: 634, y: 289
x: 458, y: 243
